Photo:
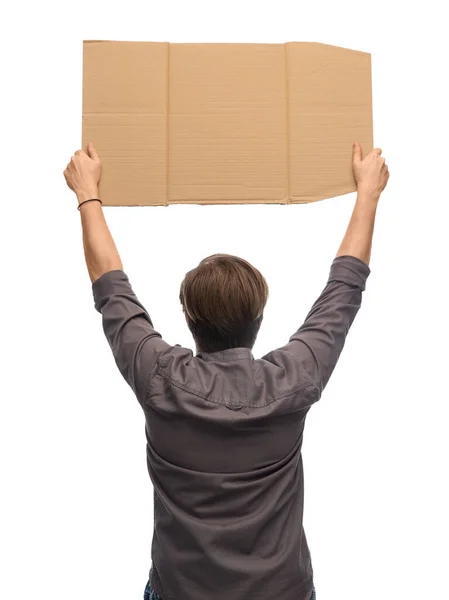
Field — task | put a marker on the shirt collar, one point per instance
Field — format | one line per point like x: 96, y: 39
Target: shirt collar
x: 227, y: 355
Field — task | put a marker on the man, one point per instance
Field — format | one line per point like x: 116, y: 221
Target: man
x: 224, y: 431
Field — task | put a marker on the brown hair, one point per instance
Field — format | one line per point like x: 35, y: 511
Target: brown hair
x: 224, y: 298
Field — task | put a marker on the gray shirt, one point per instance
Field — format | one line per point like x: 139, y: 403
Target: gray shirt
x: 224, y: 434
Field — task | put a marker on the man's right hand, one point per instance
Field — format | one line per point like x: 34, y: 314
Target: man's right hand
x: 371, y: 176
x: 370, y: 173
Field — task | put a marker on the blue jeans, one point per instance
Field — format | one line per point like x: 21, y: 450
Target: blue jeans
x: 150, y: 594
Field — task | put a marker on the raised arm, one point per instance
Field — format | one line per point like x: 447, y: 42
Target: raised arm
x: 318, y: 343
x: 83, y: 176
x: 127, y: 326
x: 371, y: 176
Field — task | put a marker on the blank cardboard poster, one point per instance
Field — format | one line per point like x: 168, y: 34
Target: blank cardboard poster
x: 225, y: 123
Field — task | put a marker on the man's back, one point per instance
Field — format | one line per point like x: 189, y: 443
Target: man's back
x: 224, y: 436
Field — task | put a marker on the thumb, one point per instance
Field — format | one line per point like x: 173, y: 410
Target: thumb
x: 356, y: 152
x: 92, y: 153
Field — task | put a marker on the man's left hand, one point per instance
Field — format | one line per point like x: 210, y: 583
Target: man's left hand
x: 83, y: 173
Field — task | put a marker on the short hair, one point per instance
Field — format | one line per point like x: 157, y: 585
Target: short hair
x: 224, y: 298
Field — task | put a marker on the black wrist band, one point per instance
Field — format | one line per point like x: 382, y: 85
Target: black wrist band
x: 91, y: 200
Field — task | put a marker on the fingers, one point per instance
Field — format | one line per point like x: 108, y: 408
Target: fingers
x: 356, y: 152
x: 92, y: 152
x: 377, y: 151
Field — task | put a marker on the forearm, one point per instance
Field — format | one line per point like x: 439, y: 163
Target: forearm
x: 99, y: 247
x: 359, y: 234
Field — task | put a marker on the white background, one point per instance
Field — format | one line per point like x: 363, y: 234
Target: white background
x: 76, y: 500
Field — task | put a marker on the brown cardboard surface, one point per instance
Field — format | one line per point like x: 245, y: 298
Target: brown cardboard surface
x: 225, y: 123
x: 125, y: 116
x: 329, y: 104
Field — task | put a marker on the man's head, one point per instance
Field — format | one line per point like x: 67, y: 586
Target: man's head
x: 223, y: 299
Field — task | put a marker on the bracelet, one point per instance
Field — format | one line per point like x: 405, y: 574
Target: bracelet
x: 91, y: 200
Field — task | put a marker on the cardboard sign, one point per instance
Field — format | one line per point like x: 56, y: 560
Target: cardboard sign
x: 225, y: 123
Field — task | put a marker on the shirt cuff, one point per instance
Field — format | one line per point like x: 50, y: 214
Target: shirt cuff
x: 350, y: 270
x: 112, y: 282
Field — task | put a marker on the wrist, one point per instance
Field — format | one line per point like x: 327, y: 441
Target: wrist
x: 87, y: 194
x: 365, y: 194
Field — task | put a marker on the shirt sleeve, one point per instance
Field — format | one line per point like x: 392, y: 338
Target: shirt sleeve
x: 135, y: 344
x: 318, y: 343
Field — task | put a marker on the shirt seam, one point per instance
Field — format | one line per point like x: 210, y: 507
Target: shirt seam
x: 186, y: 388
x: 230, y: 359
